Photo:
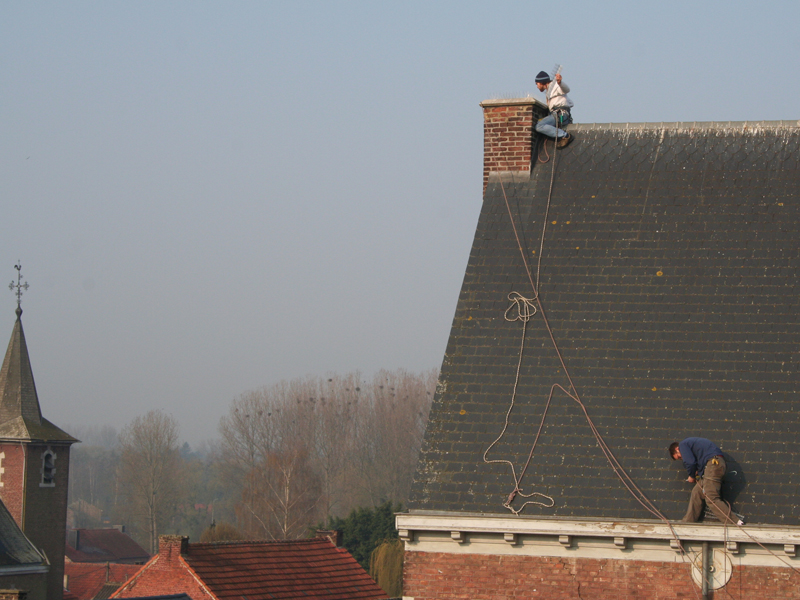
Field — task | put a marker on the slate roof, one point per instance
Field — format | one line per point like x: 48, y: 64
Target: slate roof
x: 312, y: 568
x: 669, y: 276
x: 104, y: 545
x: 90, y: 581
x: 16, y: 550
x: 20, y: 415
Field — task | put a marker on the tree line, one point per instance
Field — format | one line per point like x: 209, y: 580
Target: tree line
x: 289, y: 456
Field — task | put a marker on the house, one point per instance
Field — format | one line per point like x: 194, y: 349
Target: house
x: 631, y: 290
x: 94, y: 581
x: 310, y: 568
x: 104, y: 546
x: 34, y: 461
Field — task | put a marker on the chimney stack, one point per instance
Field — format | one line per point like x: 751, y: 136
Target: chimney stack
x: 508, y: 127
x: 334, y: 535
x: 170, y: 548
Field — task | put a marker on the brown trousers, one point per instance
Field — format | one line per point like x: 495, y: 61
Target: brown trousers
x: 707, y: 489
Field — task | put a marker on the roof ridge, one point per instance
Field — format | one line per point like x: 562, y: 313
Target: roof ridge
x: 258, y: 542
x: 745, y: 125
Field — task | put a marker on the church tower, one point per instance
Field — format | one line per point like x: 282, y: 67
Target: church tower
x: 34, y: 457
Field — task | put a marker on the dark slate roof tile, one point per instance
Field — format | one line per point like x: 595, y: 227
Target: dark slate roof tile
x: 669, y: 278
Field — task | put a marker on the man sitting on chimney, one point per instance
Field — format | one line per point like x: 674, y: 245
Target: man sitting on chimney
x: 555, y: 93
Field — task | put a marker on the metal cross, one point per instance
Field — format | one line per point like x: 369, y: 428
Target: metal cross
x: 19, y: 285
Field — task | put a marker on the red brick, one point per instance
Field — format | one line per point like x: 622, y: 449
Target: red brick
x: 430, y: 575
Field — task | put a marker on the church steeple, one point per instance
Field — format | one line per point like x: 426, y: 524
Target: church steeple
x: 18, y: 398
x: 34, y: 461
x: 20, y: 414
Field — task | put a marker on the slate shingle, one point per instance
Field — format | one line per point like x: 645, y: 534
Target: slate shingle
x: 669, y: 278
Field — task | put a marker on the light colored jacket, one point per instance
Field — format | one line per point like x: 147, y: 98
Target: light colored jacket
x: 556, y: 95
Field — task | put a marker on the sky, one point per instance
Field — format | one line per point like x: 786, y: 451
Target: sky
x: 210, y: 197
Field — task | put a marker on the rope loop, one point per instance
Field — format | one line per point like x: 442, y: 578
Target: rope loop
x: 525, y: 308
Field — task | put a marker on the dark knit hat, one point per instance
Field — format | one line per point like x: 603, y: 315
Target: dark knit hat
x: 543, y: 77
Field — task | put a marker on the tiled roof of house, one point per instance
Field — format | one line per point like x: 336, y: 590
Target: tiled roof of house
x: 669, y: 278
x: 104, y: 545
x: 312, y: 568
x: 87, y: 581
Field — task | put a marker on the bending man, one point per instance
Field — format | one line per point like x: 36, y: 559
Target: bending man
x: 706, y: 467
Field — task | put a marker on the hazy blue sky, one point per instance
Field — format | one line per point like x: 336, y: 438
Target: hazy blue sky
x: 208, y: 197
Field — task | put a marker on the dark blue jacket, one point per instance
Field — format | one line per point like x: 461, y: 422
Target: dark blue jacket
x: 696, y: 452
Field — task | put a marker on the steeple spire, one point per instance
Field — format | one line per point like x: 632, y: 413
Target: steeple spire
x: 20, y: 415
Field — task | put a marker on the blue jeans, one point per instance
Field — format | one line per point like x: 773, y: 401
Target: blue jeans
x: 547, y: 126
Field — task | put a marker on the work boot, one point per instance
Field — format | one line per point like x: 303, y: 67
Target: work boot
x: 564, y: 141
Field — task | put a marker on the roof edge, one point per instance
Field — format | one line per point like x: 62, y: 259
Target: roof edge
x: 643, y: 528
x: 512, y: 102
x: 743, y: 125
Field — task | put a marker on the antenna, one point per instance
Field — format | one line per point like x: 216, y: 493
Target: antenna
x: 557, y: 70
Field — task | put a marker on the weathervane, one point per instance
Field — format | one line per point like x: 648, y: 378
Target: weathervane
x: 19, y: 286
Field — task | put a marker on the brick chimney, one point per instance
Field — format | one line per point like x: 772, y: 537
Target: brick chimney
x: 508, y: 136
x: 170, y: 548
x: 334, y: 535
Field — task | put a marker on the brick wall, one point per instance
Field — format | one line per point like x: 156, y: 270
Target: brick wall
x: 507, y: 135
x: 34, y: 586
x: 12, y: 478
x: 45, y: 521
x: 431, y: 575
x: 41, y: 512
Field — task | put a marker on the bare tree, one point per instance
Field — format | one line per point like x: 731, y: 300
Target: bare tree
x: 306, y: 449
x: 334, y: 440
x: 149, y: 471
x: 267, y: 440
x: 389, y: 428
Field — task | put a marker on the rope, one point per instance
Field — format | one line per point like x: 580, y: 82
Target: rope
x: 612, y: 460
x: 526, y: 308
x: 572, y: 391
x: 546, y: 213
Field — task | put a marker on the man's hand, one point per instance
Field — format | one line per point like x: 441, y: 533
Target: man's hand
x: 691, y: 480
x: 558, y: 78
